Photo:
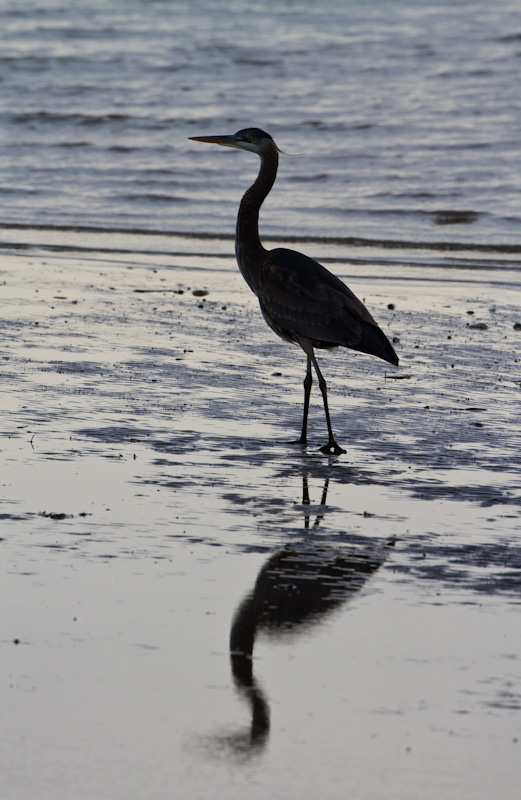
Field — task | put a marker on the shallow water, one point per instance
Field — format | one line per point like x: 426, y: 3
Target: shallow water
x: 407, y: 113
x: 154, y: 518
x: 149, y: 491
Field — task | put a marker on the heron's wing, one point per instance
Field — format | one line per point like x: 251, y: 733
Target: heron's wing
x: 299, y: 296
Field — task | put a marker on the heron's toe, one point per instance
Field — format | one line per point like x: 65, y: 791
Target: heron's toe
x: 332, y: 449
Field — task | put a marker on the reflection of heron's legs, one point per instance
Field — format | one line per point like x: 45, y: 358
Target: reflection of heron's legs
x: 305, y: 491
x: 324, y: 492
x: 306, y: 500
x: 331, y: 446
x: 320, y: 517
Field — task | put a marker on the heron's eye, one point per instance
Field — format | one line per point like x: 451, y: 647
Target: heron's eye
x: 250, y: 138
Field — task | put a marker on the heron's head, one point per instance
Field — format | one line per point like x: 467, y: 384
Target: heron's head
x: 252, y: 139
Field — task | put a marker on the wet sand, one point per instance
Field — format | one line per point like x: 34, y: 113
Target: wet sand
x: 151, y: 507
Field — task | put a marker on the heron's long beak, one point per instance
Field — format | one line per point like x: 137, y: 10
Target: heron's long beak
x: 226, y: 141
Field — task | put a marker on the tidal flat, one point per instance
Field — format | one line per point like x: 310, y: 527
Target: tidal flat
x: 193, y: 607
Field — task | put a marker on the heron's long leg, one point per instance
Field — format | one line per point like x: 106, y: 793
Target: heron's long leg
x: 331, y: 446
x: 308, y: 382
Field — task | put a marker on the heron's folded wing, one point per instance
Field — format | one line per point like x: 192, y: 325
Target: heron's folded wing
x: 302, y: 297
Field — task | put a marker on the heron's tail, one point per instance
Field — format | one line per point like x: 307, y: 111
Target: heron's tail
x: 375, y: 342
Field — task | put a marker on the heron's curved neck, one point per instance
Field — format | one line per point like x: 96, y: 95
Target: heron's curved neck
x: 248, y: 247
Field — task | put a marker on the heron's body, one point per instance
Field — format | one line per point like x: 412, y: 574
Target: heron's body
x: 300, y: 299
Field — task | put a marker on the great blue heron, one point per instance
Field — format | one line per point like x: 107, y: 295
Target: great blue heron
x: 300, y: 299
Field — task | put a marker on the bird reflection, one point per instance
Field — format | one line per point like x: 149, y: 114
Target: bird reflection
x: 296, y: 588
x: 306, y: 501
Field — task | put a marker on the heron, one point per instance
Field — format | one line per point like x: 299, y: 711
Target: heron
x: 303, y: 302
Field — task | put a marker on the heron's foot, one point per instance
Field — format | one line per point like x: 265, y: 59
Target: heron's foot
x: 332, y: 449
x: 299, y: 441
